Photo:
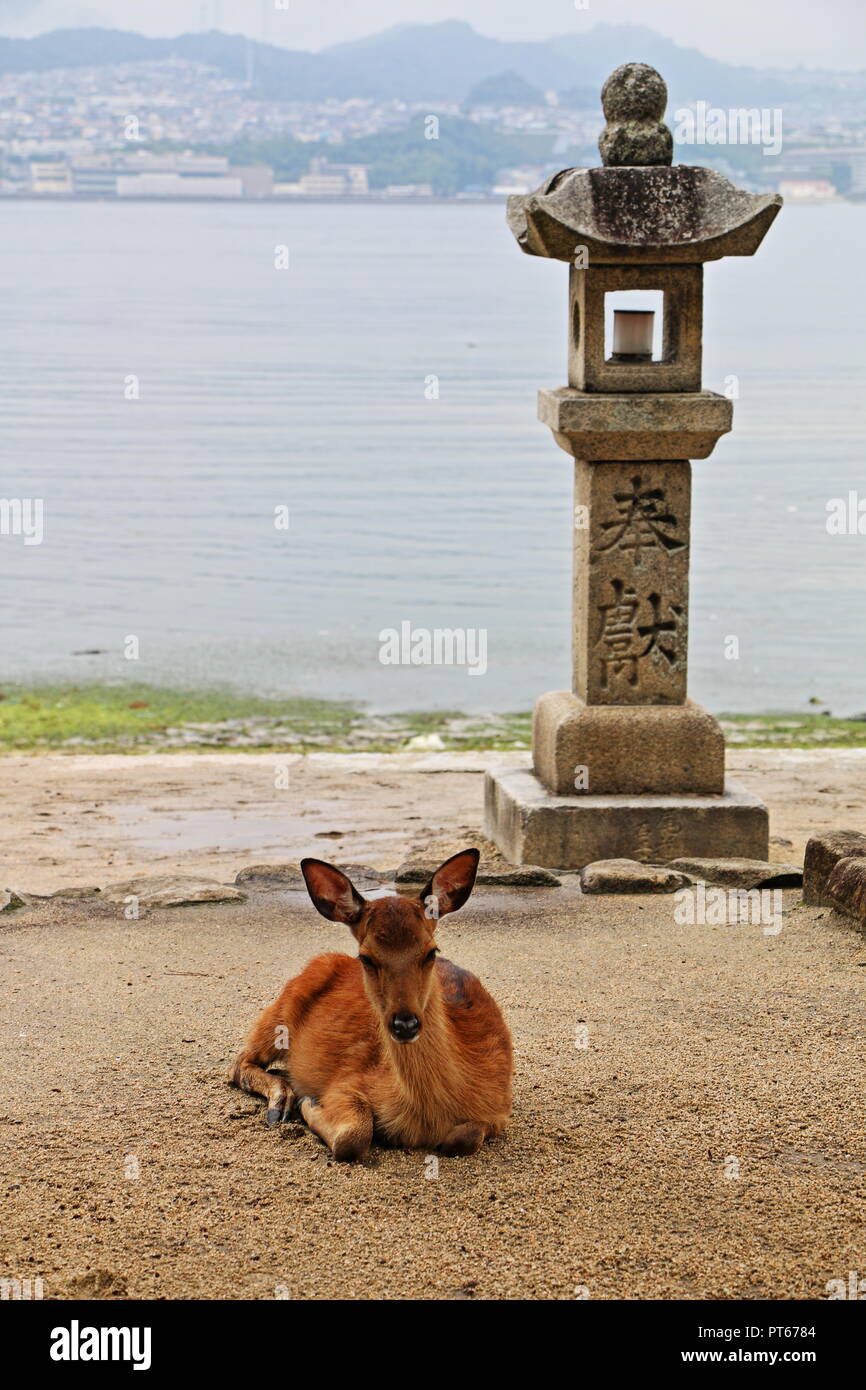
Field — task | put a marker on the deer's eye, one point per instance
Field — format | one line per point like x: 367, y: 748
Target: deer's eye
x: 430, y: 956
x: 367, y: 963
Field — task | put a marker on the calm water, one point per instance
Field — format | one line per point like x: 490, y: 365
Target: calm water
x: 305, y: 388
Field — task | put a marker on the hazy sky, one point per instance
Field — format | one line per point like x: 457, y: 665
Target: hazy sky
x: 829, y: 33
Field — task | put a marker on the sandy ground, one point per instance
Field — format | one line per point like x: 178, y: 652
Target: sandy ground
x: 707, y: 1143
x: 96, y: 819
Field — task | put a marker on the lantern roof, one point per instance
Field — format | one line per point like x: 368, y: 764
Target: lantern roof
x: 639, y: 208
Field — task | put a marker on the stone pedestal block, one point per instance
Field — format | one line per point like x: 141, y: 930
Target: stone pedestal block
x: 581, y: 749
x: 534, y: 826
x: 631, y: 582
x: 635, y: 426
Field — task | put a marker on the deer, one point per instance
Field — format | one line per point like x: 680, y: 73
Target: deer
x: 394, y: 1044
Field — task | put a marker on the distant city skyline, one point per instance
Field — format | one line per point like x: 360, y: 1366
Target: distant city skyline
x: 783, y: 33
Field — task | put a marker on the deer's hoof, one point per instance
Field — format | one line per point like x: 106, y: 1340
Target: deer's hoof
x: 283, y: 1110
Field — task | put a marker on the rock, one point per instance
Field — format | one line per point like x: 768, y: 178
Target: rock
x: 628, y: 876
x: 741, y: 873
x: 9, y: 900
x: 846, y: 887
x: 430, y: 850
x: 274, y: 875
x: 823, y: 853
x: 364, y: 877
x: 172, y: 890
x: 76, y: 891
x: 289, y: 876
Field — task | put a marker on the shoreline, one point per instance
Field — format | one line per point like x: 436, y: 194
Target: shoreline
x: 93, y: 820
x: 353, y: 200
x: 67, y: 719
x: 298, y: 199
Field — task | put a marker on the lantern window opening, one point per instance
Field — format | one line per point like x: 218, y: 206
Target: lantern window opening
x: 629, y: 339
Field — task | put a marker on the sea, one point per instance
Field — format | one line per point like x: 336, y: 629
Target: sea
x: 262, y: 435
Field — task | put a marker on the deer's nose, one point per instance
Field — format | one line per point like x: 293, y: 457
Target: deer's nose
x: 405, y: 1027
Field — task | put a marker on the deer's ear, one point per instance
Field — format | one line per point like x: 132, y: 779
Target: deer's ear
x: 452, y: 883
x: 333, y: 894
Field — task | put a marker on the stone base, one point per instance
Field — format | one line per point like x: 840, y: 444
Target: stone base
x: 626, y: 750
x: 531, y: 825
x: 648, y: 425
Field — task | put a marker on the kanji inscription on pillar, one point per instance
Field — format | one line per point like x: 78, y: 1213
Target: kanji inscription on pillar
x: 631, y: 582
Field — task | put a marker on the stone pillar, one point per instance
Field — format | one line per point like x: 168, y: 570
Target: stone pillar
x: 625, y: 763
x: 627, y: 726
x: 631, y: 582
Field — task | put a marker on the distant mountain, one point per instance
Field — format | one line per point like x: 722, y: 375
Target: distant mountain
x: 73, y: 48
x: 505, y: 89
x: 429, y: 62
x: 466, y: 155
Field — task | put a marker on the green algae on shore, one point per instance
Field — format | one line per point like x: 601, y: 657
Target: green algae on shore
x: 139, y: 718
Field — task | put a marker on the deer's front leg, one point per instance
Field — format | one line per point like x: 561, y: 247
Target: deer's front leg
x: 464, y: 1139
x: 342, y: 1121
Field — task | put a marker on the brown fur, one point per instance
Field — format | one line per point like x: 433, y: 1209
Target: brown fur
x: 351, y: 1079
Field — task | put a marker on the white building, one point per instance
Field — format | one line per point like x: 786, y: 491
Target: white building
x: 50, y: 176
x: 326, y: 180
x: 178, y: 185
x: 807, y: 190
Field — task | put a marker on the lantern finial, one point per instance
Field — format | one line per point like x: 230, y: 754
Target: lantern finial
x: 633, y: 99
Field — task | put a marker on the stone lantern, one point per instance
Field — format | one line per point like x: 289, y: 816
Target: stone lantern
x: 625, y: 764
